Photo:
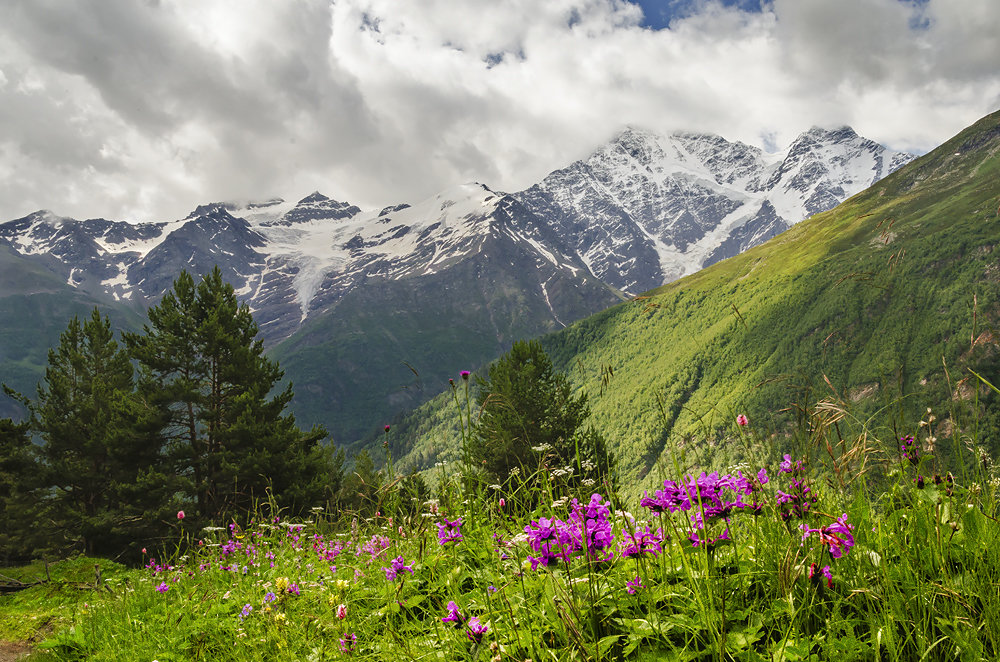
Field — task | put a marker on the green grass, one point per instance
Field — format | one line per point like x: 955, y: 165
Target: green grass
x: 922, y: 581
x: 56, y: 604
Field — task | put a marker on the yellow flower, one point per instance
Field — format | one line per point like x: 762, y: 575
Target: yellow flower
x: 281, y: 584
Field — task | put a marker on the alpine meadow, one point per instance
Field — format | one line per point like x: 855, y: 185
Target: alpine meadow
x: 787, y: 455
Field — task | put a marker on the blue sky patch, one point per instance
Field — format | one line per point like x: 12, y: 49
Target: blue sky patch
x: 659, y: 13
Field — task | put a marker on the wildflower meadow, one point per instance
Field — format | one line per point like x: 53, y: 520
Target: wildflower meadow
x: 799, y: 560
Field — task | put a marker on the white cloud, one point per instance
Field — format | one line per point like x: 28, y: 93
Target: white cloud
x: 119, y: 109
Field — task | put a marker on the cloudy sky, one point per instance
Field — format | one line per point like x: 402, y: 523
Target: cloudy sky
x: 143, y: 109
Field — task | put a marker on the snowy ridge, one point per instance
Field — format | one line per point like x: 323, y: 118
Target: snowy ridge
x: 646, y: 209
x: 286, y: 260
x: 642, y: 210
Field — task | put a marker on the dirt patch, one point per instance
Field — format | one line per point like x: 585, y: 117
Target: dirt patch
x: 864, y: 391
x: 14, y: 650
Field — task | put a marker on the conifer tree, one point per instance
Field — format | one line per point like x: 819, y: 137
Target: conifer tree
x: 18, y: 471
x: 223, y: 431
x: 91, y: 457
x: 529, y: 416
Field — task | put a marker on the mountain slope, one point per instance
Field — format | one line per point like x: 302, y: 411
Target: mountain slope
x: 863, y: 303
x: 35, y: 307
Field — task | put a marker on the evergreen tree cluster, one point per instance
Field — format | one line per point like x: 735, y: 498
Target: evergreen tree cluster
x: 182, y: 417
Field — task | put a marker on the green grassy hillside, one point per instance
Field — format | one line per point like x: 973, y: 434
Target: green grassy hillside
x: 880, y: 305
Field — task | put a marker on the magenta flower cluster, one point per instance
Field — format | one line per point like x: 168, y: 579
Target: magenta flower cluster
x: 789, y: 467
x: 837, y: 536
x: 397, y: 567
x: 909, y: 448
x: 586, y: 534
x: 796, y: 501
x: 634, y: 585
x: 640, y: 542
x: 449, y: 531
x: 815, y: 572
x: 454, y: 615
x: 707, y: 497
x: 474, y: 629
x: 348, y: 643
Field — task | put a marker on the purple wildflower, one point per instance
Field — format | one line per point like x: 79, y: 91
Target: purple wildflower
x: 454, y: 616
x: 641, y: 542
x: 247, y: 608
x: 697, y: 541
x: 634, y: 585
x: 449, y: 531
x: 348, y: 643
x: 837, y: 536
x: 762, y: 477
x: 797, y: 501
x: 909, y: 448
x: 788, y: 467
x: 270, y: 597
x: 294, y: 589
x: 163, y: 588
x: 825, y: 572
x: 476, y: 630
x: 398, y: 565
x: 588, y: 530
x: 464, y: 374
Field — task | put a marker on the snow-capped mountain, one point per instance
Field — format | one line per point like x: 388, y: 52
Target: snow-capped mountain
x: 646, y: 209
x: 290, y: 261
x: 642, y: 210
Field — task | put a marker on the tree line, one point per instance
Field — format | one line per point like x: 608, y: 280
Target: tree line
x: 184, y: 416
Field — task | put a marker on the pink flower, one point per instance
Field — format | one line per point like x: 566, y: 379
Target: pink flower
x: 180, y: 514
x: 837, y: 536
x: 502, y: 502
x: 454, y: 616
x: 742, y: 420
x: 476, y: 630
x: 143, y: 550
x: 341, y: 612
x: 387, y: 428
x: 633, y: 586
x: 815, y: 572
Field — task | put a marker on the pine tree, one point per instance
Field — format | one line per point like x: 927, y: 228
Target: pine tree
x: 91, y: 456
x: 18, y: 471
x: 529, y: 418
x: 226, y: 436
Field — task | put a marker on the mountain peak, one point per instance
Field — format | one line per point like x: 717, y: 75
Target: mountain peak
x: 206, y: 209
x: 313, y: 198
x: 837, y: 134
